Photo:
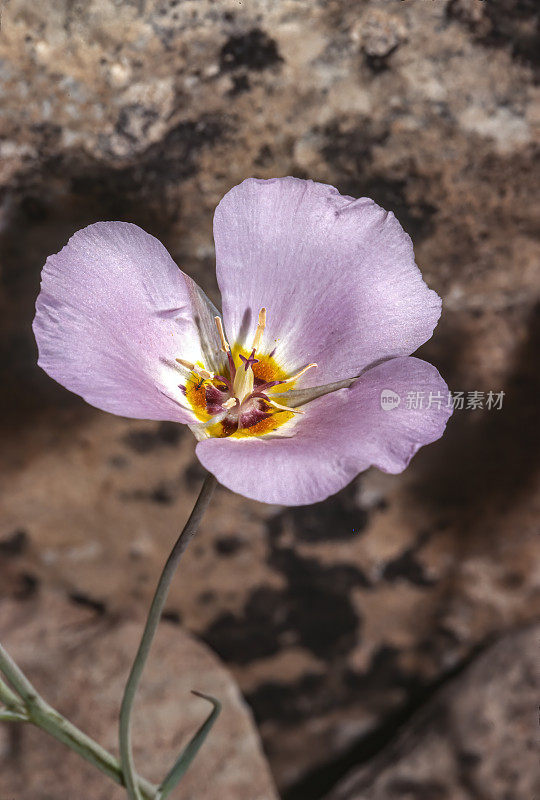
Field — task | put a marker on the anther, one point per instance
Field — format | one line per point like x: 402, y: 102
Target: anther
x: 224, y: 343
x: 204, y: 373
x: 225, y: 346
x: 232, y: 401
x: 186, y: 364
x: 260, y: 329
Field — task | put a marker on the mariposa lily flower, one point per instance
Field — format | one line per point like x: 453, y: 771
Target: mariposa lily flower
x: 322, y: 306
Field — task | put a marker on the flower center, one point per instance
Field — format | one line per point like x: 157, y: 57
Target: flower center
x: 239, y: 403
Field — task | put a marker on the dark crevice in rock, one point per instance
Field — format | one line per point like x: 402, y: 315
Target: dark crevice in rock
x: 378, y: 64
x: 319, y: 782
x: 470, y: 486
x: 254, y: 50
x: 314, y: 611
x: 337, y: 518
x: 240, y: 84
x: 432, y: 790
x: 289, y: 702
x: 315, y: 694
x: 143, y: 441
x: 15, y: 544
x: 172, y: 616
x: 228, y: 545
x: 194, y: 474
x: 82, y: 599
x: 502, y: 23
x: 407, y: 567
x: 26, y: 587
x: 164, y: 493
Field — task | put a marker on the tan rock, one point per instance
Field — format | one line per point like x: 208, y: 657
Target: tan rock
x: 334, y: 617
x: 79, y: 662
x: 477, y: 738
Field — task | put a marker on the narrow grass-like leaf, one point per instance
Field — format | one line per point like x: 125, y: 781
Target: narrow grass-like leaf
x: 191, y: 749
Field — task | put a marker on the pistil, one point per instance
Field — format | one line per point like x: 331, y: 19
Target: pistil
x: 248, y: 362
x: 243, y: 382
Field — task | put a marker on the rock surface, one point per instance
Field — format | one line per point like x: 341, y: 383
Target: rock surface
x: 479, y: 738
x: 79, y: 661
x: 335, y: 617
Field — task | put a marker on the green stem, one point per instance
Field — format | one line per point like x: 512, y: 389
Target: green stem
x: 35, y: 709
x: 152, y: 622
x: 9, y: 698
x: 13, y: 716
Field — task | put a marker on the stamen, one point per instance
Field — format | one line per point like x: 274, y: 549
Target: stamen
x: 224, y: 343
x: 273, y: 403
x: 204, y: 373
x: 295, y: 377
x: 232, y: 401
x: 225, y: 346
x: 186, y: 364
x: 194, y: 368
x: 284, y: 408
x: 260, y: 329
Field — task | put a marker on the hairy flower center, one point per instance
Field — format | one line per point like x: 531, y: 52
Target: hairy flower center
x: 240, y: 402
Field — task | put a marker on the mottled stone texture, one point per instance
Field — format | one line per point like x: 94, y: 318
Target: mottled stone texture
x: 337, y: 620
x: 80, y: 660
x: 478, y: 738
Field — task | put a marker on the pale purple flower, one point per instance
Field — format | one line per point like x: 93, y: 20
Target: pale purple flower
x: 322, y: 306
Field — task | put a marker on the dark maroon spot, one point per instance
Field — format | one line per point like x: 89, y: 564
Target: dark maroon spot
x: 229, y: 426
x: 226, y: 382
x: 254, y: 415
x: 214, y: 399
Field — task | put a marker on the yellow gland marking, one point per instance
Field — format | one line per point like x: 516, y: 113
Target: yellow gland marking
x: 196, y: 395
x: 268, y: 425
x: 265, y: 370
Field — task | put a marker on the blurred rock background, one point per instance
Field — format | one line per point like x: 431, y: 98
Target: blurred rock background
x: 382, y: 640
